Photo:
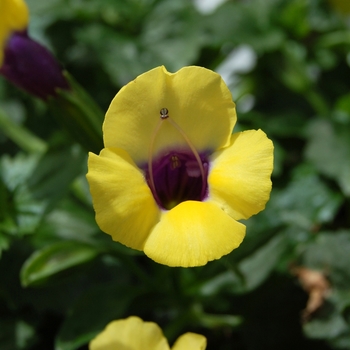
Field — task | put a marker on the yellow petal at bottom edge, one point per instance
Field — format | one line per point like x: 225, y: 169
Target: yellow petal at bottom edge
x: 193, y: 233
x: 190, y: 341
x: 239, y: 179
x: 130, y: 334
x: 124, y: 205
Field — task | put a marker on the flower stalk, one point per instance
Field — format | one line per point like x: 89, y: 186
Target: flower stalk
x: 78, y: 113
x: 20, y: 135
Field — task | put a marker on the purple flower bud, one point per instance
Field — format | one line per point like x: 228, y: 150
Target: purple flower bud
x: 31, y: 66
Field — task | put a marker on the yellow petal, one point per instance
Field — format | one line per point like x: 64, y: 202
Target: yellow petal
x: 193, y: 233
x: 197, y: 100
x: 239, y: 180
x: 13, y: 17
x: 124, y: 205
x: 130, y: 334
x: 190, y: 341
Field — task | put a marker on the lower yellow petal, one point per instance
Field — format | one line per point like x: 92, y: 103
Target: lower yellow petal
x: 239, y: 180
x: 193, y: 233
x: 124, y: 205
x: 190, y: 341
x: 130, y: 334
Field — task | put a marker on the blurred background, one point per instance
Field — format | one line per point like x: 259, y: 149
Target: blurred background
x: 288, y: 285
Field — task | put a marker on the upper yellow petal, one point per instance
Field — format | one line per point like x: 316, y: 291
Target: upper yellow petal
x: 239, y: 180
x: 124, y: 205
x: 130, y: 334
x: 190, y: 341
x: 14, y: 16
x: 193, y: 233
x: 197, y: 100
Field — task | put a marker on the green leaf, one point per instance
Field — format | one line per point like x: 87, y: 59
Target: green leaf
x: 296, y: 12
x: 215, y: 320
x: 342, y: 110
x: 329, y: 149
x: 72, y: 222
x: 342, y: 341
x: 167, y: 34
x: 91, y: 314
x: 55, y: 172
x: 253, y: 23
x: 17, y: 170
x: 4, y: 242
x: 329, y: 252
x: 15, y: 333
x: 251, y: 271
x: 21, y: 214
x: 20, y: 135
x: 328, y: 325
x: 295, y: 73
x: 172, y: 34
x: 259, y: 265
x: 306, y: 202
x: 34, y: 184
x: 81, y: 117
x: 53, y: 259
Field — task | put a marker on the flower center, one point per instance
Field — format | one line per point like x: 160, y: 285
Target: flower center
x: 176, y: 175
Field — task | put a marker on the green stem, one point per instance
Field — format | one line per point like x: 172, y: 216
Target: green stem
x: 78, y: 114
x: 317, y: 102
x: 177, y: 325
x: 214, y: 320
x: 233, y: 268
x: 21, y: 136
x: 135, y: 268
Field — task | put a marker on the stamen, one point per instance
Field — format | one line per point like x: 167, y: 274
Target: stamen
x: 150, y: 157
x: 194, y: 151
x: 163, y: 116
x: 175, y: 161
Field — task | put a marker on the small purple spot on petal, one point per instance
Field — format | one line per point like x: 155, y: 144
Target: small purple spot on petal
x: 192, y: 168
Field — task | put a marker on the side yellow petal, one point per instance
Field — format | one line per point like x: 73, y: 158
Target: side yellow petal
x: 197, y: 100
x: 190, y: 341
x: 240, y: 175
x: 193, y: 233
x: 14, y: 16
x: 124, y: 205
x: 130, y: 334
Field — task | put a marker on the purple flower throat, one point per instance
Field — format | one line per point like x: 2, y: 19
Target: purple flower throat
x: 177, y: 175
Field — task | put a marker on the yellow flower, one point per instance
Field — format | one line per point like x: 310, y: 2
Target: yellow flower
x: 13, y: 18
x: 134, y: 334
x: 172, y: 180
